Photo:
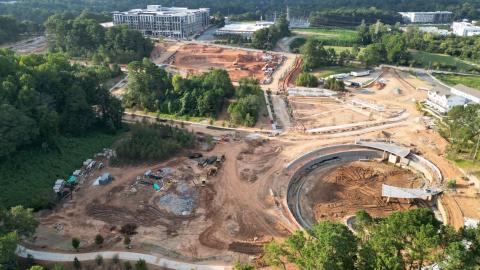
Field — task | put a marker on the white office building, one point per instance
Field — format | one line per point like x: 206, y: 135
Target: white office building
x: 465, y: 29
x: 427, y: 17
x: 243, y: 29
x: 173, y: 22
x: 443, y: 101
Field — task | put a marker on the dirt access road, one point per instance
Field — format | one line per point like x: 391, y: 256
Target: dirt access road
x: 122, y: 255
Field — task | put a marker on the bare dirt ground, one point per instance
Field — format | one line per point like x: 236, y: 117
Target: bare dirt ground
x: 28, y: 46
x: 321, y: 112
x: 243, y: 206
x: 199, y: 58
x: 232, y: 214
x: 342, y: 191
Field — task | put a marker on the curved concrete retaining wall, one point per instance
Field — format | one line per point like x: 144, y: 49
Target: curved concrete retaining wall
x: 342, y: 153
x: 431, y: 172
x: 296, y: 183
x: 318, y: 151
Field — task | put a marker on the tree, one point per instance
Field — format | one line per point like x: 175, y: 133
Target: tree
x: 464, y: 125
x: 374, y: 54
x: 76, y: 263
x: 99, y: 259
x: 141, y: 265
x: 58, y: 267
x: 20, y: 220
x: 75, y: 243
x: 8, y: 245
x: 127, y: 241
x: 16, y: 129
x: 332, y: 246
x: 127, y: 265
x: 403, y: 240
x: 306, y: 79
x: 116, y: 259
x: 98, y: 239
x: 273, y: 255
x: 240, y: 266
x: 334, y: 84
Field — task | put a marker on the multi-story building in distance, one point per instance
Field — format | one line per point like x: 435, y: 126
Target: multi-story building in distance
x: 427, y: 17
x: 173, y: 22
x: 465, y: 29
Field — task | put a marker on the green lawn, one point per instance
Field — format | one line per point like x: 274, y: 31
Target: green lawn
x: 431, y: 60
x: 330, y: 36
x: 27, y: 178
x: 330, y: 70
x: 450, y: 79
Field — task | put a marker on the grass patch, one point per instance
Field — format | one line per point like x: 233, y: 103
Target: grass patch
x: 27, y: 178
x: 330, y: 70
x: 450, y: 79
x: 440, y: 61
x: 330, y: 36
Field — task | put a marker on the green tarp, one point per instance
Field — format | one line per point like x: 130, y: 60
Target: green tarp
x: 72, y: 180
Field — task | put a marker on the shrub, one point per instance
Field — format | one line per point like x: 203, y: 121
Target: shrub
x: 98, y: 239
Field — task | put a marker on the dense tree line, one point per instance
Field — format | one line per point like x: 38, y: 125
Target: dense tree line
x: 154, y: 89
x: 12, y: 29
x: 84, y: 37
x: 306, y: 79
x: 467, y: 48
x: 404, y: 240
x: 266, y: 38
x: 315, y: 55
x: 43, y: 96
x: 385, y: 44
x: 15, y: 223
x: 249, y: 100
x: 463, y: 130
x: 40, y: 10
x: 353, y: 17
x: 151, y: 142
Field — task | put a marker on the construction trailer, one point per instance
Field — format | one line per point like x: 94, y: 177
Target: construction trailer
x: 360, y: 73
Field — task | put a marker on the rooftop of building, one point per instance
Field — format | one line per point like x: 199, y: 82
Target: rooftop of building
x: 245, y: 27
x: 426, y: 12
x: 163, y: 11
x: 441, y: 91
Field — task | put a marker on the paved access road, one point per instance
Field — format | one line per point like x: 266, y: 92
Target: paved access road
x: 122, y: 255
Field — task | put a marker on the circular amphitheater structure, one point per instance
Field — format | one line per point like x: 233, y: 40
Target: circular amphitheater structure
x: 333, y: 182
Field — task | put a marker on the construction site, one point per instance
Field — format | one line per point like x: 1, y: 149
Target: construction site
x: 340, y: 192
x: 194, y: 59
x: 335, y: 154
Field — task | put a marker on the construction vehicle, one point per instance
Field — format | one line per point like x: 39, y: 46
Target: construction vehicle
x: 212, y: 171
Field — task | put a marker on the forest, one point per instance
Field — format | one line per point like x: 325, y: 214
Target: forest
x: 44, y: 96
x: 12, y: 29
x: 403, y: 240
x: 82, y: 36
x: 153, y: 89
x: 39, y: 10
